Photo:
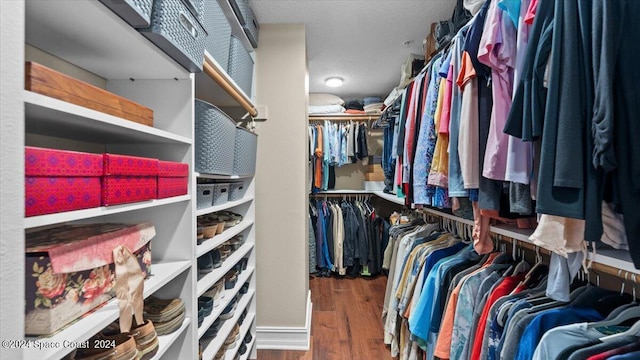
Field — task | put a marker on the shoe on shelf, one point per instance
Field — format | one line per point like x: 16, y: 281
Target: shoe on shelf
x: 248, y: 338
x: 146, y: 340
x: 206, y: 303
x: 162, y: 310
x: 205, y: 264
x: 125, y: 348
x: 200, y: 316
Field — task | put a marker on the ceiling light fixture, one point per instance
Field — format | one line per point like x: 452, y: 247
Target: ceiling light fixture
x: 334, y: 82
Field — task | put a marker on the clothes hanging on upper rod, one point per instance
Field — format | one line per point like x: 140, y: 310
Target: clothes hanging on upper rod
x: 335, y: 144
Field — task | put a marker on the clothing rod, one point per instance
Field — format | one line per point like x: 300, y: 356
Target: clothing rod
x: 213, y: 73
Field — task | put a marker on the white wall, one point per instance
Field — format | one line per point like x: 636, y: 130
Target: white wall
x: 281, y: 195
x: 11, y: 174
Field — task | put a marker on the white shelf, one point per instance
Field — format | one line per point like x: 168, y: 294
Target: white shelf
x: 225, y: 206
x: 83, y: 329
x: 212, y: 243
x: 221, y: 177
x: 619, y: 259
x: 389, y: 197
x: 330, y: 192
x: 244, y: 329
x: 89, y: 35
x: 57, y: 218
x: 511, y: 231
x: 207, y: 281
x: 448, y: 216
x: 49, y: 116
x: 165, y: 341
x: 229, y: 294
x: 217, y: 342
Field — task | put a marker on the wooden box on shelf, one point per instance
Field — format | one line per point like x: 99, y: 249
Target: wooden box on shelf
x: 46, y: 81
x: 70, y: 270
x: 59, y: 180
x: 129, y: 179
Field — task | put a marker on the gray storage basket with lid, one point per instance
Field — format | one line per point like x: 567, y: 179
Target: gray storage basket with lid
x: 220, y: 193
x: 236, y: 190
x: 176, y: 31
x: 215, y: 140
x: 245, y: 152
x: 252, y: 28
x: 219, y: 33
x: 240, y: 65
x: 136, y: 13
x: 240, y: 9
x: 204, y: 198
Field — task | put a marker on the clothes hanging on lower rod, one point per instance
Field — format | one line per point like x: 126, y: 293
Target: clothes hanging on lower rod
x: 334, y: 144
x: 445, y: 301
x: 349, y: 237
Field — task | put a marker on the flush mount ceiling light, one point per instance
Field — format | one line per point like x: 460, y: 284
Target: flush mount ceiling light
x: 334, y: 82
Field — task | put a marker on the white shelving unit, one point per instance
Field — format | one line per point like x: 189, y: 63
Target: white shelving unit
x: 83, y: 37
x: 216, y: 343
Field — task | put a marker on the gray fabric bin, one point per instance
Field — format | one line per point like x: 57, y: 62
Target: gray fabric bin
x: 237, y: 190
x: 220, y: 193
x: 219, y: 32
x: 252, y: 28
x: 204, y: 198
x: 240, y: 65
x: 240, y: 9
x: 245, y: 152
x: 136, y: 13
x: 215, y: 136
x: 176, y: 31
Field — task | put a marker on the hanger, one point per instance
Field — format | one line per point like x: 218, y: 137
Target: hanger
x: 625, y: 315
x: 632, y: 331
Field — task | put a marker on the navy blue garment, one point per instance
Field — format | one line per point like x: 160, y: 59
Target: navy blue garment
x: 548, y: 320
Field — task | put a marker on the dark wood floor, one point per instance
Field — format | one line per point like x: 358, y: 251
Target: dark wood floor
x: 346, y: 323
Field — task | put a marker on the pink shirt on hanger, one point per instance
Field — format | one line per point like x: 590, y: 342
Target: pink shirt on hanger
x: 497, y: 50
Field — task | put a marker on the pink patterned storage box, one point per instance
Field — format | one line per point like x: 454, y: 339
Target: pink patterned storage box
x: 59, y: 180
x: 173, y: 179
x: 128, y: 179
x: 70, y: 271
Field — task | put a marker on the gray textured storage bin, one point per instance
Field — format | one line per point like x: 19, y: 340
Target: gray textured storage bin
x: 215, y: 136
x: 220, y: 193
x: 136, y: 13
x: 240, y: 65
x: 240, y: 9
x: 219, y: 33
x: 196, y: 7
x: 245, y: 152
x: 252, y: 28
x: 204, y: 198
x: 176, y: 31
x: 237, y: 190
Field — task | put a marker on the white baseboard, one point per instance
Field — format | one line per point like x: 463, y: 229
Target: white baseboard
x: 286, y: 338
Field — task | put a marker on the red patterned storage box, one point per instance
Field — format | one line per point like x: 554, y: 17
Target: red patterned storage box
x: 173, y: 179
x: 69, y: 270
x: 128, y: 179
x: 59, y: 180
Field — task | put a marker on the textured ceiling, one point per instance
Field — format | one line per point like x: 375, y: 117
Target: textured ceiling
x: 358, y: 40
